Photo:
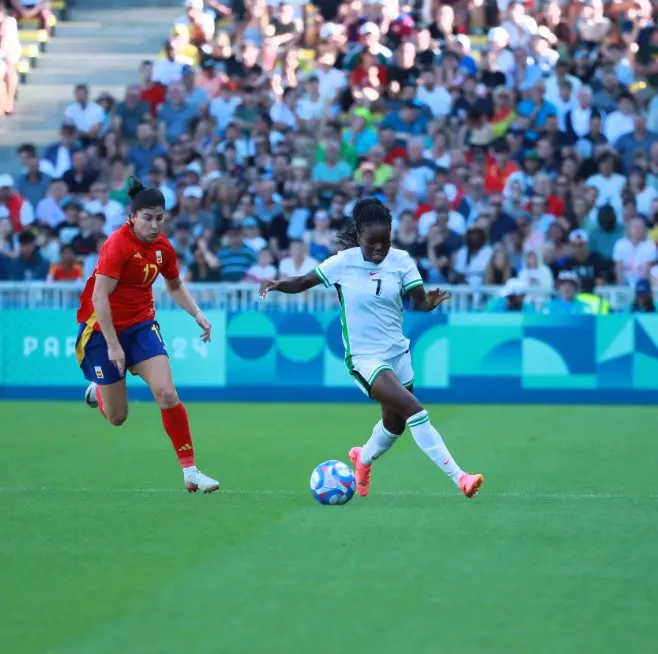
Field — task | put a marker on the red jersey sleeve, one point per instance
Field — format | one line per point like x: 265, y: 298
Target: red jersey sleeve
x: 169, y: 267
x: 113, y: 257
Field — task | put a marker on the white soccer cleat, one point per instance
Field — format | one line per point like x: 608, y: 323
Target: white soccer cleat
x: 91, y: 400
x: 195, y: 481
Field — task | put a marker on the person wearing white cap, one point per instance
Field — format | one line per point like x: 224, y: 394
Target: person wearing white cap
x: 370, y: 35
x: 193, y: 213
x: 511, y: 299
x: 566, y: 301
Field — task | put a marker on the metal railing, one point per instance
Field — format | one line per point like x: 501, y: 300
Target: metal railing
x: 244, y: 297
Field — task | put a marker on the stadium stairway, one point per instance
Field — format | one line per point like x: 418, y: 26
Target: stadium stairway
x: 95, y: 42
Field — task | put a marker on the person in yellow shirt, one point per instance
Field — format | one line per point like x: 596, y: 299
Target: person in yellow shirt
x: 183, y: 50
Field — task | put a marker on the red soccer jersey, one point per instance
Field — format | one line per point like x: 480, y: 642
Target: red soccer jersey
x: 135, y: 264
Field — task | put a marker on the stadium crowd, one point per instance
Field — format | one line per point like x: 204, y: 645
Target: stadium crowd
x: 516, y: 144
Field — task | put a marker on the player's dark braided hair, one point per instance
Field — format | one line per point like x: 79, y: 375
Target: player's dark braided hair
x: 142, y: 197
x: 366, y: 212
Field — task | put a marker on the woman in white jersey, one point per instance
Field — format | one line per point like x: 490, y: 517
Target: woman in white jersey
x: 371, y: 278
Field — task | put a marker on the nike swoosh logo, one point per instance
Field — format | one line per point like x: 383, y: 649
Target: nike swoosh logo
x: 373, y: 273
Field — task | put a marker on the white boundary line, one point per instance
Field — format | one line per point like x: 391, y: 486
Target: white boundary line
x: 9, y: 490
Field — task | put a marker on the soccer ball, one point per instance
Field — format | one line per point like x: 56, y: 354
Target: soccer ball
x: 333, y: 482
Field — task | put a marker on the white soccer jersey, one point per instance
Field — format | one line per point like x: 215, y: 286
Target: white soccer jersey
x: 371, y: 300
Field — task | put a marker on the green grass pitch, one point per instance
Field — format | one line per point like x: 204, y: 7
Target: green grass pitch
x: 103, y: 552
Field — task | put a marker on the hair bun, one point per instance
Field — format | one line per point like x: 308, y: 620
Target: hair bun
x: 134, y: 187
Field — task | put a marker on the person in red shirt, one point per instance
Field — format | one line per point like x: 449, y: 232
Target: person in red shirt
x: 499, y: 169
x: 68, y: 269
x: 118, y: 330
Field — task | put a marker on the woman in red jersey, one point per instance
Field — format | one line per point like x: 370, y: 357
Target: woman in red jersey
x: 118, y: 330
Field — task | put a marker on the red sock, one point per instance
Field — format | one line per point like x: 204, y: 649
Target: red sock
x: 177, y: 427
x: 99, y: 400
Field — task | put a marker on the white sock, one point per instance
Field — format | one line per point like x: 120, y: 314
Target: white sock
x: 379, y: 443
x: 429, y: 440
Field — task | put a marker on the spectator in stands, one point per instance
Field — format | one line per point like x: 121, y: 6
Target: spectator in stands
x: 643, y: 301
x: 70, y: 228
x: 512, y: 299
x: 535, y: 273
x: 320, y: 240
x: 57, y: 158
x: 67, y: 269
x: 33, y: 184
x: 80, y: 177
x: 205, y: 267
x: 605, y: 233
x: 10, y: 54
x: 299, y: 263
x: 13, y: 205
x: 235, y: 258
x: 88, y: 234
x: 29, y: 265
x: 472, y: 259
x: 634, y: 254
x: 130, y: 113
x: 146, y: 150
x: 590, y: 267
x: 100, y: 202
x: 499, y: 270
x: 566, y: 301
x: 49, y: 211
x: 87, y: 116
x: 193, y: 213
x: 39, y: 9
x: 264, y: 269
x: 175, y: 115
x: 639, y: 139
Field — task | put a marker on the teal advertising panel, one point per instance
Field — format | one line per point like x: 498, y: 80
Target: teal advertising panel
x: 263, y: 356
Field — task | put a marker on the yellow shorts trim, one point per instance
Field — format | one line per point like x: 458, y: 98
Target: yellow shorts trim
x: 87, y: 333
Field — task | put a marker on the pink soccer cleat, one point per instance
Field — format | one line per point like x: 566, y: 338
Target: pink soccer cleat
x: 361, y: 471
x: 469, y: 484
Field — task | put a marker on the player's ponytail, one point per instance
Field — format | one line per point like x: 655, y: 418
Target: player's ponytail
x: 348, y: 237
x: 142, y: 197
x: 368, y: 211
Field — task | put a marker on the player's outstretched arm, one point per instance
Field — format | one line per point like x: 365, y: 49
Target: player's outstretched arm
x: 428, y: 301
x: 181, y: 295
x: 291, y: 285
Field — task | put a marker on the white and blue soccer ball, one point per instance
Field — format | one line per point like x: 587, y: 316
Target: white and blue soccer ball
x: 333, y: 482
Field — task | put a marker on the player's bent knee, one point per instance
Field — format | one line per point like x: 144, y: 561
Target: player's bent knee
x: 166, y: 396
x: 411, y: 408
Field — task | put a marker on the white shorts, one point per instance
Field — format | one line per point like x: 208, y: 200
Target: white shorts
x: 365, y: 369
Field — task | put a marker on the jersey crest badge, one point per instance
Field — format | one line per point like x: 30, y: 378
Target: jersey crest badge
x: 99, y: 372
x: 158, y: 256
